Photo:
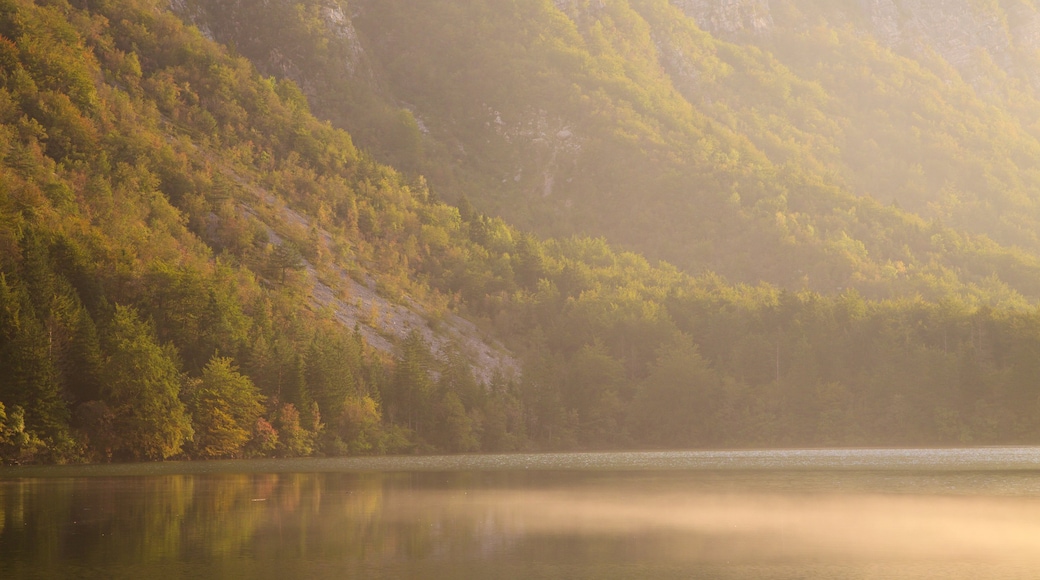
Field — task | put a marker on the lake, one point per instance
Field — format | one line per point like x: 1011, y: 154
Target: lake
x: 952, y: 513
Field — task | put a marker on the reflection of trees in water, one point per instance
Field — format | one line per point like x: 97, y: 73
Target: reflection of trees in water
x: 244, y: 520
x: 469, y: 524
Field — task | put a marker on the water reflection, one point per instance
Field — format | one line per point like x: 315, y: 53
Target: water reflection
x: 523, y: 525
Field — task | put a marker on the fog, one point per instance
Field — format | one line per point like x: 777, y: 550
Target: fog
x: 961, y: 522
x: 754, y: 525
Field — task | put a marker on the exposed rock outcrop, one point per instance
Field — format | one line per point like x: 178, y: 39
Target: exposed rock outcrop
x: 341, y: 27
x: 232, y: 22
x: 956, y: 29
x: 381, y: 321
x: 965, y: 33
x: 729, y: 16
x: 551, y: 147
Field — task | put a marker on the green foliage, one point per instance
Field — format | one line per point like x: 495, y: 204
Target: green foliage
x: 774, y: 157
x: 286, y: 257
x: 225, y: 407
x: 410, y: 393
x: 293, y: 439
x: 142, y: 385
x: 453, y: 430
x: 16, y: 444
x: 143, y: 166
x: 676, y: 406
x: 359, y: 426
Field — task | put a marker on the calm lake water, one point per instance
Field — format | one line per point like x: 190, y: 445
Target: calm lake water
x: 960, y: 513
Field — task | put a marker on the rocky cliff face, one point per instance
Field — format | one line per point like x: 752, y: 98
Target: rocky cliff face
x: 967, y: 34
x: 339, y: 25
x: 235, y: 22
x: 956, y: 29
x: 729, y: 16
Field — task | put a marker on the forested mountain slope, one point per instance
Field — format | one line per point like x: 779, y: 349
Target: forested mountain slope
x: 888, y: 146
x: 193, y: 266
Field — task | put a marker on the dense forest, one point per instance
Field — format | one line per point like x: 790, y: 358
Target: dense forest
x: 814, y: 148
x: 184, y: 248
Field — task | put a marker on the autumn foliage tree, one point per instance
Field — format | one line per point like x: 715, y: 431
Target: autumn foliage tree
x: 142, y: 386
x: 225, y: 407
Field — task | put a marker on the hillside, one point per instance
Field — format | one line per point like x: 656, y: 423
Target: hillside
x: 889, y: 146
x: 195, y: 266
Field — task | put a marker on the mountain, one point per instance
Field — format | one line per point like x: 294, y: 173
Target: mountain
x: 196, y: 266
x: 884, y: 146
x: 161, y: 299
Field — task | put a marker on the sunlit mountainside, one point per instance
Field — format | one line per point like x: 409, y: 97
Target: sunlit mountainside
x: 888, y: 146
x: 515, y: 225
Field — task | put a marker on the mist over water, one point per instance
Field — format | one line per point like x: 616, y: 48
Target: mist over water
x: 760, y: 527
x: 959, y: 514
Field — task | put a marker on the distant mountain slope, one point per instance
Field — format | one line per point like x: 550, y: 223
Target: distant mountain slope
x: 826, y: 145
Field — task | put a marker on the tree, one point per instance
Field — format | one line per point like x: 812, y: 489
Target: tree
x: 672, y: 408
x: 358, y: 426
x: 332, y: 359
x: 30, y: 379
x: 452, y: 429
x: 293, y: 440
x: 84, y: 361
x: 196, y: 312
x: 527, y: 262
x: 142, y: 387
x: 225, y: 406
x: 16, y: 444
x: 411, y: 388
x: 591, y: 390
x: 287, y: 257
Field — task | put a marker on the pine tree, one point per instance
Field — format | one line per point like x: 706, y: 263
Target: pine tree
x: 411, y: 388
